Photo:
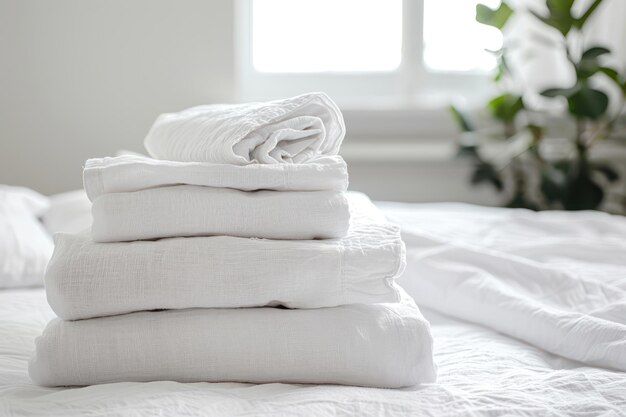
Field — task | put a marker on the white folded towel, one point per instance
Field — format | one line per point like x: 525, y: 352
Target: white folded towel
x: 189, y: 210
x: 293, y: 130
x: 86, y: 279
x: 133, y: 173
x: 376, y: 345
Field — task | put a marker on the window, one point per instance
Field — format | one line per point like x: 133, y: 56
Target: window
x: 399, y: 50
x: 316, y: 40
x: 453, y: 41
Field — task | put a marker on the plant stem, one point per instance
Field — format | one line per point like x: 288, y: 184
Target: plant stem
x: 580, y: 128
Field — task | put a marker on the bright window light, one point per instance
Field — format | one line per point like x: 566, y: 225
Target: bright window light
x: 454, y: 41
x: 326, y: 35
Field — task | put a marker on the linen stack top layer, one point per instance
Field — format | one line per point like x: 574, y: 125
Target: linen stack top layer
x: 233, y: 254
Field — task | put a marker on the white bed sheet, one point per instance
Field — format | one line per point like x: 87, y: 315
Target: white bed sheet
x: 481, y: 372
x: 556, y: 280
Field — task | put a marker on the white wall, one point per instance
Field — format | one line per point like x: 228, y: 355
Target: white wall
x: 84, y: 78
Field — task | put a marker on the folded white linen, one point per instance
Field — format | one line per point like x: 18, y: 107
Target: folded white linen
x: 190, y: 210
x: 86, y: 279
x: 377, y: 345
x: 134, y: 173
x: 297, y: 129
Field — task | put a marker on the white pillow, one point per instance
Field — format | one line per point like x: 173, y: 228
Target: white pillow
x: 35, y: 203
x: 69, y: 212
x: 25, y: 246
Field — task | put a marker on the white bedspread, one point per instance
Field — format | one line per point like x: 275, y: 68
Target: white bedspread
x: 481, y: 372
x: 555, y: 280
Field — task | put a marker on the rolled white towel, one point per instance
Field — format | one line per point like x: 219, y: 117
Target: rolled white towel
x: 293, y: 130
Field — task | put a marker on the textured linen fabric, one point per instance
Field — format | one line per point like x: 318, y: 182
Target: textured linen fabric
x: 25, y: 246
x: 556, y: 280
x: 297, y: 130
x: 375, y: 345
x: 133, y: 173
x: 86, y: 279
x: 189, y: 210
x: 481, y: 372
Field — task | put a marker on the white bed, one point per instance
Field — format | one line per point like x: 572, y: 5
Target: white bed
x: 481, y: 371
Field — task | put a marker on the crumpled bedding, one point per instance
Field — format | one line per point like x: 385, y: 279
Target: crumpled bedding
x: 555, y: 280
x: 480, y: 371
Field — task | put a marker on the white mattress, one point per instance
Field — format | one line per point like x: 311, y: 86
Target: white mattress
x: 481, y: 372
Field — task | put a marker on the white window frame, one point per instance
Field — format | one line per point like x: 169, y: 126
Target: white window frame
x: 411, y: 86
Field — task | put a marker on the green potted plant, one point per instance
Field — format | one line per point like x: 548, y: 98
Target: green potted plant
x: 530, y: 179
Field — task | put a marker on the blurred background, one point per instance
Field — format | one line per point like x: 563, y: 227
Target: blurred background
x: 516, y: 103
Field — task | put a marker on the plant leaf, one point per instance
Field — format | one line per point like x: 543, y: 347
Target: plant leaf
x: 615, y: 77
x: 558, y: 92
x: 588, y: 103
x: 493, y: 17
x: 461, y: 119
x: 611, y: 73
x: 555, y: 23
x: 587, y: 14
x: 582, y: 192
x: 608, y: 172
x: 552, y: 184
x: 506, y: 106
x: 485, y: 172
x: 559, y: 15
x: 589, y: 63
x: 560, y: 6
x: 519, y: 200
x: 502, y: 66
x: 594, y: 52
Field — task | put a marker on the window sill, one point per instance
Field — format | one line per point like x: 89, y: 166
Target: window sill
x: 398, y: 151
x: 444, y: 151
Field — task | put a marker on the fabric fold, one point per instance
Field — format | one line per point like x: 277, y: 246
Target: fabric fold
x: 293, y: 130
x: 86, y: 279
x: 134, y: 173
x: 188, y: 210
x: 375, y: 345
x: 552, y: 279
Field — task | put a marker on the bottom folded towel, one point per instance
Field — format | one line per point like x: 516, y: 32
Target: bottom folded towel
x: 375, y: 345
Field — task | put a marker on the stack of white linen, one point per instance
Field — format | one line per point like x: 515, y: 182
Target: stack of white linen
x: 237, y: 255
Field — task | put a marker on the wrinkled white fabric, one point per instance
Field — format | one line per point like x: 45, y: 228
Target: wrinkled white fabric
x: 552, y: 279
x: 86, y: 279
x: 25, y: 246
x: 293, y: 130
x: 377, y: 345
x: 134, y: 173
x: 189, y: 210
x: 69, y: 212
x: 480, y: 373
